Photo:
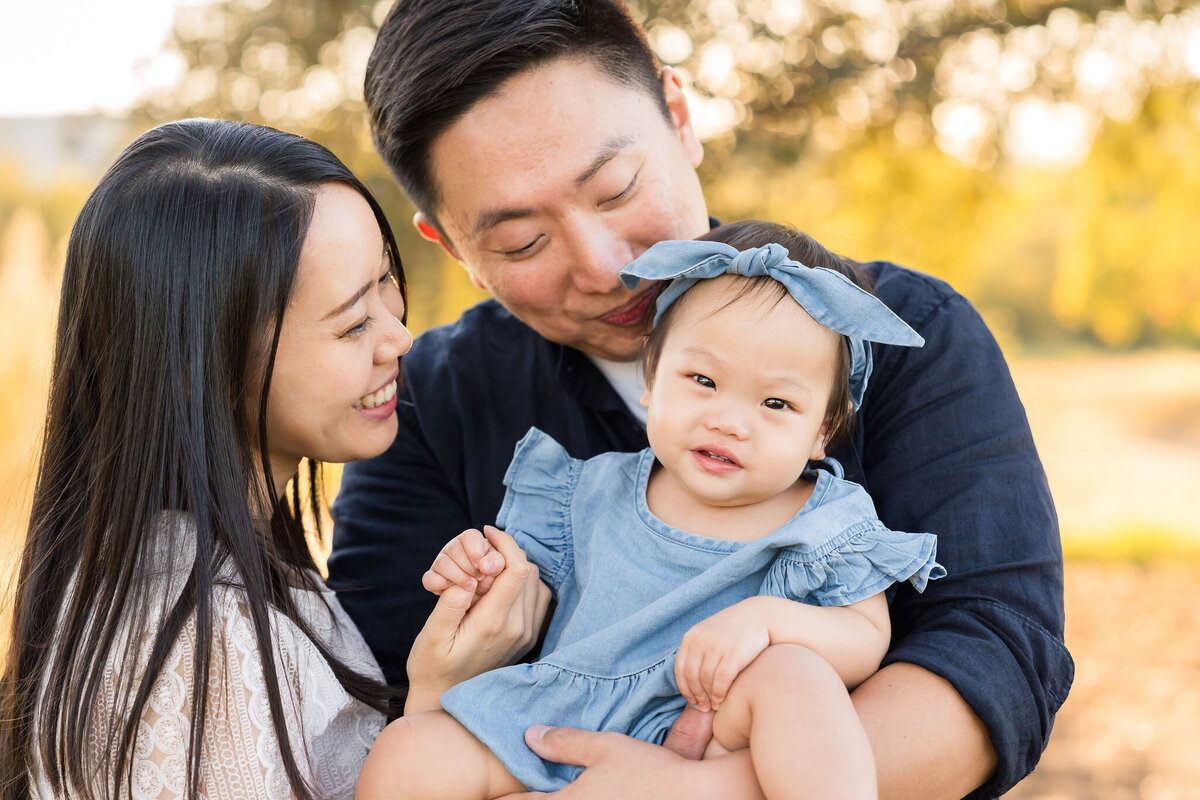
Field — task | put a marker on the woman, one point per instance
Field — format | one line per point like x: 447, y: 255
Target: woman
x: 232, y: 304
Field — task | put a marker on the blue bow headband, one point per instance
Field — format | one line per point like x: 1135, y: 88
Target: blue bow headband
x: 829, y: 298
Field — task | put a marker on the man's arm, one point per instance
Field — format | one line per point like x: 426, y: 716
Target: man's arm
x: 946, y: 448
x: 927, y: 741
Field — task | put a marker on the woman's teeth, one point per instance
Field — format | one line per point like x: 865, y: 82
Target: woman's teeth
x: 377, y: 398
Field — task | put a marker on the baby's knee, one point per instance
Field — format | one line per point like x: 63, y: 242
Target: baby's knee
x: 785, y: 668
x: 388, y: 763
x: 420, y: 757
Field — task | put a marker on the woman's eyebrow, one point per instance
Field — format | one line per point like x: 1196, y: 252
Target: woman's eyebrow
x: 346, y: 306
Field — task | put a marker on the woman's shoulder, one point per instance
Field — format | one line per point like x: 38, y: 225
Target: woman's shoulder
x: 297, y: 643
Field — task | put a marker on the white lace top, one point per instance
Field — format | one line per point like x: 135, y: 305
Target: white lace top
x: 329, y: 731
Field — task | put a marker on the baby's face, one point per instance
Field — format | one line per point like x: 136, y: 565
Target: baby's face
x: 737, y: 403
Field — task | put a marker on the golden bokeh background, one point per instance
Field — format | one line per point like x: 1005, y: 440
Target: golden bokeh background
x: 1042, y: 156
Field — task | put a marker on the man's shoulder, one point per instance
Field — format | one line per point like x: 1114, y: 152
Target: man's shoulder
x: 915, y: 296
x: 485, y: 336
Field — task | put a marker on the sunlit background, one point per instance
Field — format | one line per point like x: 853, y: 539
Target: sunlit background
x: 1042, y: 156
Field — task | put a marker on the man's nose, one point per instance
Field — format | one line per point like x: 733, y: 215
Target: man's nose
x: 599, y: 253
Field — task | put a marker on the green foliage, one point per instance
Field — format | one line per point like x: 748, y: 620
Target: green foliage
x: 298, y: 65
x: 836, y: 111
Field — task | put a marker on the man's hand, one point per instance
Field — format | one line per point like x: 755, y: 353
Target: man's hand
x: 618, y: 766
x: 469, y: 560
x: 716, y: 650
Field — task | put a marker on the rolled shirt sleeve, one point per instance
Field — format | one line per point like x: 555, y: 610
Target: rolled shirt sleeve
x: 945, y: 447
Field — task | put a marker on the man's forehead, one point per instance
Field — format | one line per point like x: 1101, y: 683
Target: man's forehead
x: 559, y: 121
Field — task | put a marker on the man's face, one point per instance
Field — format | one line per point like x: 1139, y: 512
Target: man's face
x: 548, y: 188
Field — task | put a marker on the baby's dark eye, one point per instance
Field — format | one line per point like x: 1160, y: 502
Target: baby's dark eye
x: 704, y: 381
x: 776, y: 404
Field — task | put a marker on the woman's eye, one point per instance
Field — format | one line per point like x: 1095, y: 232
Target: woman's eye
x: 704, y: 381
x: 776, y: 404
x: 357, y: 330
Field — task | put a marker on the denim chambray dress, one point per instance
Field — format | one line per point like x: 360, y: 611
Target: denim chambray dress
x: 630, y: 586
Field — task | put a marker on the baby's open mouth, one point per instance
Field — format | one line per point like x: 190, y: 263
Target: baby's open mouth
x: 717, y: 457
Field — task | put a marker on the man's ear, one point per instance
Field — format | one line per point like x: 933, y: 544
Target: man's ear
x: 430, y: 233
x: 681, y: 116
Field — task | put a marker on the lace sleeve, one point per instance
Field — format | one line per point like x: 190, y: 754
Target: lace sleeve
x: 328, y: 731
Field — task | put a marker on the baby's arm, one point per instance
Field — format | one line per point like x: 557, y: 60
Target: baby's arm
x: 468, y: 560
x: 853, y: 639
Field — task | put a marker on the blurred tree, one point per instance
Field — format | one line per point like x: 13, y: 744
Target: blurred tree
x: 953, y: 135
x: 298, y: 65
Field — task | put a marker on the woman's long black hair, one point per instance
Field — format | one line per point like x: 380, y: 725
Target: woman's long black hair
x: 178, y: 273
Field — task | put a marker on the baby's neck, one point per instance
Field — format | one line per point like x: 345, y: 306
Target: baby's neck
x: 673, y: 504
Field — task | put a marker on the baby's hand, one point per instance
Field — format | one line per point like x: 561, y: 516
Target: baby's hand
x: 468, y: 560
x: 716, y: 650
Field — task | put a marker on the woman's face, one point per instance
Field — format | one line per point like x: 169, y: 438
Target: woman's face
x: 333, y: 390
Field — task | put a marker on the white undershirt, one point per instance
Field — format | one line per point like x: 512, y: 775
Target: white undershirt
x: 626, y: 378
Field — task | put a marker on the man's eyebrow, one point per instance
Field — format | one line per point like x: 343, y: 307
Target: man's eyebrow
x: 609, y: 149
x: 346, y: 306
x: 490, y: 219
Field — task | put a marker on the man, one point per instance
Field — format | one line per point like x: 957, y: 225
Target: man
x: 544, y: 150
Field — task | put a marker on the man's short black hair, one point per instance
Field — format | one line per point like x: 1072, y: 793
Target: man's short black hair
x: 434, y: 59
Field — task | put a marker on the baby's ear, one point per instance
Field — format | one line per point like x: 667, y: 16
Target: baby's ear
x: 818, y: 450
x: 645, y: 401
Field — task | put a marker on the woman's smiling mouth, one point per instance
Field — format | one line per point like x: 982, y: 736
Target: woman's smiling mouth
x: 379, y: 397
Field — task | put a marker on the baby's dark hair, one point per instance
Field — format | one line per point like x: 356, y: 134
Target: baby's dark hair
x: 839, y: 414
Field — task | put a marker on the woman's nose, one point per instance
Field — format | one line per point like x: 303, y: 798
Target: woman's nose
x: 395, y: 342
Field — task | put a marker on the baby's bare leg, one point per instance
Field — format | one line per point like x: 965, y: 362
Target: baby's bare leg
x: 794, y: 713
x: 430, y: 756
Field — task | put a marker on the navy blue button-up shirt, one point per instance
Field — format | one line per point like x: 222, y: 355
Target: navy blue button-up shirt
x: 942, y: 445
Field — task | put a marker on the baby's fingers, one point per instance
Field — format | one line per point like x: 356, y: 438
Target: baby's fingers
x: 688, y: 663
x: 450, y: 570
x: 434, y: 583
x: 722, y: 679
x: 480, y: 553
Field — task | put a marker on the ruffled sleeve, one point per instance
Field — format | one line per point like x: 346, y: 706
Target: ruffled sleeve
x: 866, y: 560
x: 537, y: 506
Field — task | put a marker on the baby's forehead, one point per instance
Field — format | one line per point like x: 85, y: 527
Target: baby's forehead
x: 736, y: 294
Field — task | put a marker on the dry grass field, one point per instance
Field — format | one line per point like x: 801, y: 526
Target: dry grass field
x: 1120, y: 437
